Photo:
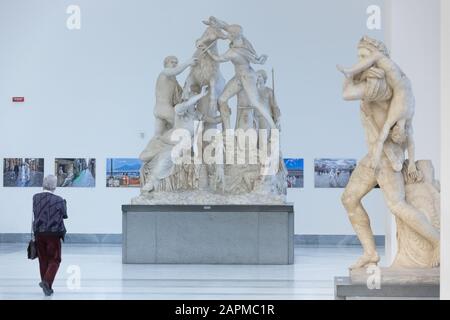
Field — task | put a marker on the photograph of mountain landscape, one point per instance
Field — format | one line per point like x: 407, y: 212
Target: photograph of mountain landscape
x: 295, y: 177
x: 123, y: 173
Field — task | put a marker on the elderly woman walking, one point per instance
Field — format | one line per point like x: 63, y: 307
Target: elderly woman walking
x: 48, y: 226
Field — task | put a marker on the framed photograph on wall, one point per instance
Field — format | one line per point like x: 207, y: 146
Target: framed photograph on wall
x: 295, y: 177
x: 123, y: 173
x: 75, y: 172
x: 333, y: 173
x: 23, y: 172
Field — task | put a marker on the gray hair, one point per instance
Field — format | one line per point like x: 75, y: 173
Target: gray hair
x: 49, y: 183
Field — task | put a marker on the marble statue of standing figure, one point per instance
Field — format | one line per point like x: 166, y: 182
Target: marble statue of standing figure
x: 378, y: 91
x: 242, y: 54
x: 168, y: 93
x: 267, y: 97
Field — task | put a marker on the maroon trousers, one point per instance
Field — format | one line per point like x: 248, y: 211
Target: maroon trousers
x: 49, y: 254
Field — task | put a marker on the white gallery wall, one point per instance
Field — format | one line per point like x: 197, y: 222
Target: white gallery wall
x: 445, y: 143
x: 90, y: 92
x: 413, y: 34
x: 415, y: 42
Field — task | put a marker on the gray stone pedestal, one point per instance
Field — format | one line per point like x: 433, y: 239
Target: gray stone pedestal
x: 216, y: 234
x: 392, y: 284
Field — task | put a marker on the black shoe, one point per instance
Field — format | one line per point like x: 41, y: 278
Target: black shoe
x: 46, y: 288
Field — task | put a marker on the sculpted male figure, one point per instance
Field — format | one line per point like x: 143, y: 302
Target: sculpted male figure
x: 267, y: 97
x: 242, y: 54
x: 375, y: 106
x: 168, y: 93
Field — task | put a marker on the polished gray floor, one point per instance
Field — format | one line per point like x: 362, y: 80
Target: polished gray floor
x: 103, y: 276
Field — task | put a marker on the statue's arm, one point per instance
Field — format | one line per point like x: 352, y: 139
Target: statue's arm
x: 362, y: 65
x: 412, y: 169
x: 353, y: 90
x: 183, y: 106
x: 261, y: 59
x: 170, y: 72
x: 219, y: 58
x: 411, y: 143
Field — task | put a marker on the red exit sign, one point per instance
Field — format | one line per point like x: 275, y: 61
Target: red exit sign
x: 18, y: 99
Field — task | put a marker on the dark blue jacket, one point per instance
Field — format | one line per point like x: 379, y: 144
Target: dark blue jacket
x: 49, y: 211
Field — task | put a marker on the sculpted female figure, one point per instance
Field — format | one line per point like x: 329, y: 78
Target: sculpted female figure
x: 242, y: 55
x: 158, y: 170
x: 373, y: 89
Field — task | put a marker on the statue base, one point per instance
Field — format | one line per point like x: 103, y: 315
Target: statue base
x: 399, y: 276
x: 208, y: 234
x: 204, y: 197
x: 390, y: 283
